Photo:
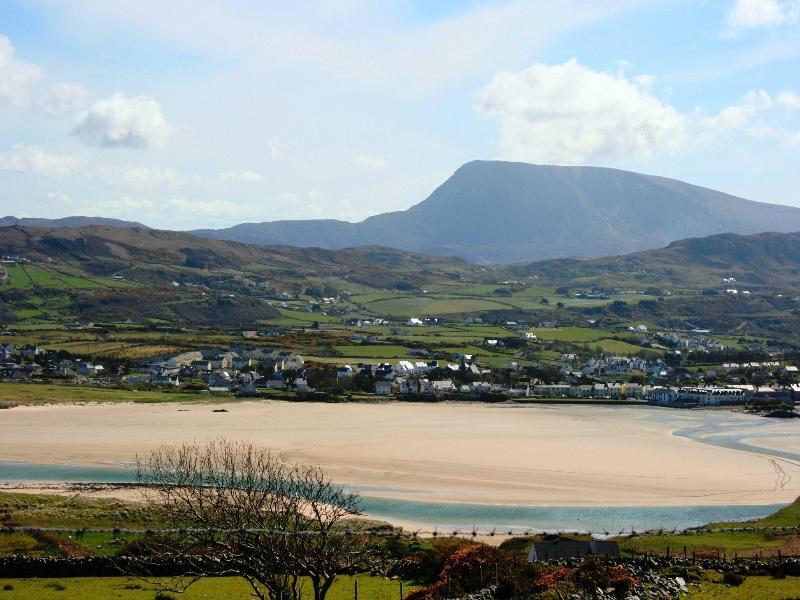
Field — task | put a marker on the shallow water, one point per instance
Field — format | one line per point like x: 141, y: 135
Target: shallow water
x: 449, y: 516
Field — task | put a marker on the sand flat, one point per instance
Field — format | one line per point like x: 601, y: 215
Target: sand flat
x: 529, y: 455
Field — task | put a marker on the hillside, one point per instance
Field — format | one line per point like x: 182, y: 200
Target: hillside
x: 765, y: 260
x: 76, y: 221
x: 111, y: 275
x: 103, y: 250
x: 502, y: 212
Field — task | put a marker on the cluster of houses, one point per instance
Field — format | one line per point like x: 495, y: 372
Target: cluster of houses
x: 612, y: 366
x: 713, y: 395
x: 695, y: 341
x: 20, y: 363
x: 224, y: 371
x: 246, y: 371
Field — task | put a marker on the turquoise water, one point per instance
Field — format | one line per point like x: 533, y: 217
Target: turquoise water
x: 448, y: 516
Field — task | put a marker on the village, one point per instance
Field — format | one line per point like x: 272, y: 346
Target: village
x: 255, y: 371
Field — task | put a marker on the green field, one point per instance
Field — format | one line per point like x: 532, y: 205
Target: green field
x: 223, y: 588
x: 12, y: 394
x: 730, y: 543
x: 753, y: 588
x: 417, y: 306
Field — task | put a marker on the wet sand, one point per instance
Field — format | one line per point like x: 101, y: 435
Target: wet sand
x: 470, y: 453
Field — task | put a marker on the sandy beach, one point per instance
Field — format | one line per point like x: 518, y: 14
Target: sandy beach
x: 489, y: 454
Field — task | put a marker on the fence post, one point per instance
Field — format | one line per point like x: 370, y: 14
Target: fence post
x: 401, y: 589
x: 684, y: 552
x: 355, y: 590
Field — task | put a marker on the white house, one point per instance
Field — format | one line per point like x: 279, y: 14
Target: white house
x: 383, y: 388
x: 344, y: 372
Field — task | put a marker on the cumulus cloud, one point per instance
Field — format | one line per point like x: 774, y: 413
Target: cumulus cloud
x: 32, y: 159
x: 370, y: 162
x: 63, y: 99
x: 751, y: 14
x: 120, y: 121
x: 788, y: 101
x: 568, y: 114
x: 16, y: 76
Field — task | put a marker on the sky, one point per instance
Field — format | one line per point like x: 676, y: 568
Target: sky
x: 185, y: 114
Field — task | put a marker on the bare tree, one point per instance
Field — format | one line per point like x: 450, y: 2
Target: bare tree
x: 241, y: 510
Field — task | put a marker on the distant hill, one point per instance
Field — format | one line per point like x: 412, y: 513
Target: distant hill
x: 152, y: 254
x: 503, y: 212
x: 755, y: 261
x: 76, y: 221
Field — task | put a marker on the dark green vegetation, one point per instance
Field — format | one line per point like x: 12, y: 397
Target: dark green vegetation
x: 502, y: 212
x: 142, y: 284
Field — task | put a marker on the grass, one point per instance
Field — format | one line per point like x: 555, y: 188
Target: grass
x: 223, y: 588
x: 415, y: 306
x: 743, y: 543
x: 753, y: 588
x: 13, y: 394
x: 571, y: 334
x: 46, y: 510
x: 18, y: 278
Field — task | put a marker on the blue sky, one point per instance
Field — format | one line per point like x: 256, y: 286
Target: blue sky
x: 191, y: 113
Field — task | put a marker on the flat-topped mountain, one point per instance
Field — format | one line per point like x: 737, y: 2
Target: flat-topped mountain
x: 503, y: 212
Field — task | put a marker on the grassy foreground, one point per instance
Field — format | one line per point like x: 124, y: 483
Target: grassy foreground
x: 224, y: 588
x: 729, y: 543
x: 19, y: 394
x: 753, y: 588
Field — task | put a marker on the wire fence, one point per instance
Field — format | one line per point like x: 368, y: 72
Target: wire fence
x: 401, y: 533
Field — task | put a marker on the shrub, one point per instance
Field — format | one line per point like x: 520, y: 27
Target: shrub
x: 164, y: 596
x: 8, y: 588
x: 59, y: 587
x: 731, y: 578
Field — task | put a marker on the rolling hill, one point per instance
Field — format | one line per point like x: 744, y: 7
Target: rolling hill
x: 764, y: 260
x: 502, y: 212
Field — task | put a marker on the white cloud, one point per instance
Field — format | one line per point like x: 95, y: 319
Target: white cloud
x: 63, y: 99
x: 568, y: 114
x: 121, y: 121
x: 32, y: 159
x: 241, y: 176
x: 752, y: 14
x: 788, y: 100
x: 16, y: 76
x: 370, y: 162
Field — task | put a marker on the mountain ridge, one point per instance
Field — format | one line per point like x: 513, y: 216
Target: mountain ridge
x: 504, y: 212
x: 496, y: 212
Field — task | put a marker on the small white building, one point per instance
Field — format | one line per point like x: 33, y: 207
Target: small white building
x: 383, y: 388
